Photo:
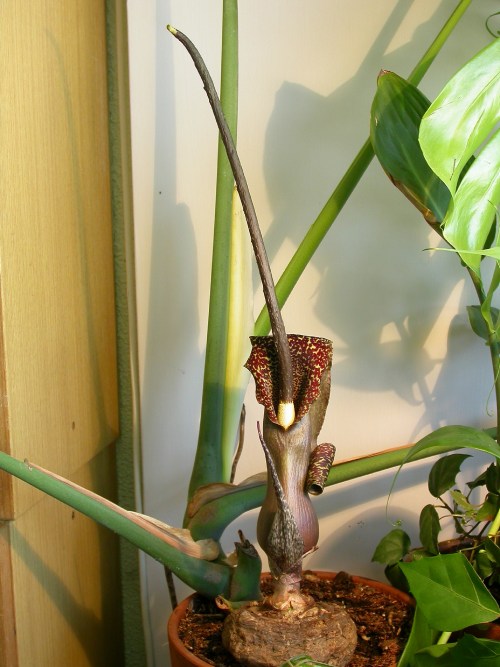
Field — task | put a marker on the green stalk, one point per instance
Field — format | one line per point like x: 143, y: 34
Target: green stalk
x: 211, y: 577
x: 495, y: 526
x: 344, y: 189
x: 210, y: 463
x: 212, y: 518
x: 444, y: 638
x: 493, y: 343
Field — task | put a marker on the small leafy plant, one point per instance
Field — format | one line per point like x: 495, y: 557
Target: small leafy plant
x: 445, y: 158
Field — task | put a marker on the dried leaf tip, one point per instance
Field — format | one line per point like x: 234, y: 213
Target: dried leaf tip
x: 171, y: 29
x: 286, y: 414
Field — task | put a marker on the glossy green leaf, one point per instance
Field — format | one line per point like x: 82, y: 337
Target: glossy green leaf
x: 469, y: 651
x: 455, y: 437
x: 396, y: 114
x: 468, y: 223
x: 430, y: 528
x: 449, y: 592
x: 392, y: 547
x: 421, y: 636
x: 443, y: 473
x: 462, y: 116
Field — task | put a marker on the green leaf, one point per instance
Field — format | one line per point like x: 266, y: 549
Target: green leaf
x: 462, y: 116
x: 477, y: 321
x: 492, y: 550
x: 396, y: 114
x: 303, y: 661
x: 462, y: 501
x: 469, y: 651
x: 443, y: 473
x: 429, y: 529
x: 421, y: 636
x: 449, y: 592
x: 493, y: 479
x: 469, y: 221
x: 219, y: 410
x: 456, y: 437
x: 488, y: 510
x: 483, y: 565
x: 392, y: 547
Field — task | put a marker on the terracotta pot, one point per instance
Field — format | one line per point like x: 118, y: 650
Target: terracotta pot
x: 181, y: 657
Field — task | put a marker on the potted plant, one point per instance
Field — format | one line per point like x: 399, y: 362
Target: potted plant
x: 292, y: 377
x: 444, y: 157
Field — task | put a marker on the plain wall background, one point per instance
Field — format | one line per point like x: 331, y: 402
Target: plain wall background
x: 405, y: 360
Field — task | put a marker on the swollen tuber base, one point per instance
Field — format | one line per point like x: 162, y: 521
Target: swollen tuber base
x: 261, y: 637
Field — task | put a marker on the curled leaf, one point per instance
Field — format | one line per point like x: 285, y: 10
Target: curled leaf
x: 319, y: 466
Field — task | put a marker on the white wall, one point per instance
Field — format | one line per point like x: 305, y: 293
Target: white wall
x: 405, y: 361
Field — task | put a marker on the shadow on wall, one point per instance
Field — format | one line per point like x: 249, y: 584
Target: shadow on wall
x: 380, y: 293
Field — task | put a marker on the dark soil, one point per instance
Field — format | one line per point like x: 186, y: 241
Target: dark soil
x: 383, y: 623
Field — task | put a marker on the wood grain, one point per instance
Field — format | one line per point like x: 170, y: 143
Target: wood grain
x: 58, y: 378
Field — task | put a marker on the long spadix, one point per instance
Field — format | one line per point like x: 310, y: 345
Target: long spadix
x: 286, y: 409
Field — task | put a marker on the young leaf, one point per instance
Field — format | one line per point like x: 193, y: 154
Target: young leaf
x: 443, y: 473
x: 449, y: 592
x: 477, y: 321
x: 392, y: 547
x: 462, y: 501
x: 462, y: 116
x: 303, y: 661
x: 429, y: 529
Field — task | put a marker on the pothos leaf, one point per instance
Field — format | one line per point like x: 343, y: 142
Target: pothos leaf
x: 429, y: 529
x: 443, y: 473
x: 392, y: 547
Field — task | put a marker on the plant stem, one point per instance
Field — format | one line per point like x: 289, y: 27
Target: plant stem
x: 444, y: 638
x: 213, y: 577
x: 277, y: 325
x: 210, y: 460
x: 495, y: 526
x: 344, y: 189
x: 493, y: 344
x: 212, y: 518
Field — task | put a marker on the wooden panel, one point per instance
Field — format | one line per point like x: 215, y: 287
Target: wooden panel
x: 66, y: 583
x: 59, y: 583
x: 8, y: 643
x: 55, y: 234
